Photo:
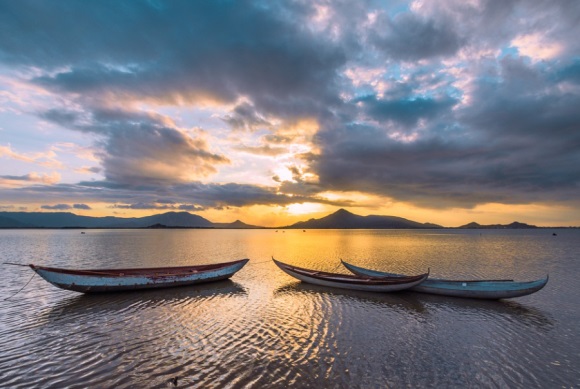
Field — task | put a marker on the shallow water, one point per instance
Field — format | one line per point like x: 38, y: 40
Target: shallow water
x: 262, y: 328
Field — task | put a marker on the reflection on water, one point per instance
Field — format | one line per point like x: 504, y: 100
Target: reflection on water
x: 263, y: 328
x: 398, y: 301
x: 80, y: 305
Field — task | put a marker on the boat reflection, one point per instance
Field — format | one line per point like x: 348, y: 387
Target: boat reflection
x: 508, y: 310
x: 398, y: 300
x: 92, y: 304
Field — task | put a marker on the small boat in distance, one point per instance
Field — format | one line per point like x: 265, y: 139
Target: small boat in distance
x: 349, y: 281
x: 119, y: 280
x: 479, y: 289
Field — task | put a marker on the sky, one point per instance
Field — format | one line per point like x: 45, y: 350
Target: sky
x: 273, y: 112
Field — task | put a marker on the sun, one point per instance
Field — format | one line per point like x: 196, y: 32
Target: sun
x: 304, y: 208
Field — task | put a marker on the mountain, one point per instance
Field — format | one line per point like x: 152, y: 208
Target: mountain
x: 58, y: 220
x: 345, y: 219
x: 514, y: 225
x: 169, y: 219
x: 7, y: 222
x: 70, y: 220
x: 236, y: 224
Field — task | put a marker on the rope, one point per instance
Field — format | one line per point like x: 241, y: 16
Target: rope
x: 336, y: 267
x: 33, y: 274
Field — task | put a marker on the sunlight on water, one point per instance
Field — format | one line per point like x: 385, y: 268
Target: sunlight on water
x: 263, y: 328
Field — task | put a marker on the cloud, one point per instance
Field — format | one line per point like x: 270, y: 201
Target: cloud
x: 141, y: 148
x: 262, y: 150
x: 409, y: 37
x: 160, y: 205
x: 188, y: 196
x: 405, y: 111
x: 56, y: 207
x: 439, y: 104
x: 17, y: 181
x: 174, y: 52
x: 515, y: 142
x: 245, y: 117
x: 44, y: 159
x: 89, y: 170
x: 65, y: 207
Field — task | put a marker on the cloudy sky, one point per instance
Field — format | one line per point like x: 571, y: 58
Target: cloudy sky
x: 274, y: 112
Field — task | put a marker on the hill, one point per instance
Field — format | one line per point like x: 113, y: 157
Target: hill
x: 236, y: 224
x: 8, y: 222
x: 70, y: 220
x: 514, y: 225
x: 345, y: 219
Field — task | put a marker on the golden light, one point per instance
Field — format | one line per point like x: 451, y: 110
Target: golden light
x: 304, y: 208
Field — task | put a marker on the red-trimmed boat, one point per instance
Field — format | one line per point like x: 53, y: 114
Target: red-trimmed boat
x: 349, y: 281
x: 118, y: 280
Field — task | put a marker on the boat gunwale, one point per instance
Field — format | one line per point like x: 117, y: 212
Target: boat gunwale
x: 165, y: 271
x: 351, y: 278
x: 468, y: 288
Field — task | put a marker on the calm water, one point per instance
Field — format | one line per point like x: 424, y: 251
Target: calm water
x: 263, y: 329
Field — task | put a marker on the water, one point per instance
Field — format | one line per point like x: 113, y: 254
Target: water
x: 263, y: 329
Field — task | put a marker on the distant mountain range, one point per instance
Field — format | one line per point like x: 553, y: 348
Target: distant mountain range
x: 345, y: 219
x: 341, y: 219
x: 70, y: 220
x: 514, y: 225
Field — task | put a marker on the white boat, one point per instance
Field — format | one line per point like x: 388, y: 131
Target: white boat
x: 348, y: 281
x: 480, y: 289
x: 116, y: 280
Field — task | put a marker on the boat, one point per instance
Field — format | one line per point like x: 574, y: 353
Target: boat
x: 118, y: 280
x: 479, y: 289
x: 349, y: 281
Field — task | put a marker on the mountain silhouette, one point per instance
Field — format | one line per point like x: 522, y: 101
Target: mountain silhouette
x: 70, y: 220
x: 514, y: 225
x: 345, y: 219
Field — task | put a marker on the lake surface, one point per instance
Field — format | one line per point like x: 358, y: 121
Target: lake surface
x: 264, y: 329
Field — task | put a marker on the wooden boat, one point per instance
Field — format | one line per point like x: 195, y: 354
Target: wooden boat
x: 117, y: 280
x: 480, y: 289
x: 349, y: 281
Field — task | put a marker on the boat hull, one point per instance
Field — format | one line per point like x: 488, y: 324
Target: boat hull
x: 479, y: 289
x: 119, y: 280
x: 360, y: 283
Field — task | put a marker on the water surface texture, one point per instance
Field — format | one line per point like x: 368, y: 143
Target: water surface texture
x: 264, y: 329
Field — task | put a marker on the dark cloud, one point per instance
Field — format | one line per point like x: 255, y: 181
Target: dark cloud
x: 190, y: 196
x: 177, y: 51
x: 516, y: 142
x: 245, y: 117
x: 160, y: 205
x: 406, y: 111
x: 190, y: 207
x: 141, y: 149
x: 144, y: 206
x: 64, y: 207
x: 17, y: 178
x: 570, y: 73
x: 58, y: 207
x: 409, y: 37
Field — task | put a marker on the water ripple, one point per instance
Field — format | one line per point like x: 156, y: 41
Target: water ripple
x: 265, y: 329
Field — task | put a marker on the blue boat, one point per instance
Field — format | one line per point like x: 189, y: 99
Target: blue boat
x: 480, y: 289
x: 118, y: 280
